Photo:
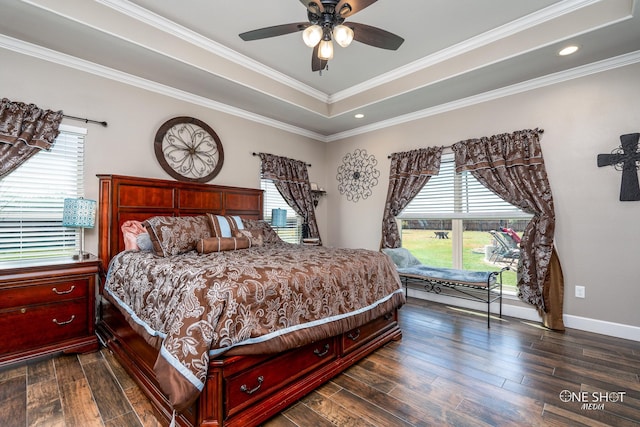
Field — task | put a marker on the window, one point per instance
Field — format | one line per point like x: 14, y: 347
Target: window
x: 32, y: 199
x: 448, y: 223
x: 292, y: 233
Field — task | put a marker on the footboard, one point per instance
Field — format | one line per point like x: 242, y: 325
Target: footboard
x: 247, y: 390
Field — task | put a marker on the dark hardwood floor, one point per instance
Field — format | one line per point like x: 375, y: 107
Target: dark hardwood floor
x: 448, y: 369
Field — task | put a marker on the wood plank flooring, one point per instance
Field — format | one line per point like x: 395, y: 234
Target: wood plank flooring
x: 448, y: 369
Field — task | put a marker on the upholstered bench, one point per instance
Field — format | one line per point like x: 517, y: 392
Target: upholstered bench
x: 482, y: 286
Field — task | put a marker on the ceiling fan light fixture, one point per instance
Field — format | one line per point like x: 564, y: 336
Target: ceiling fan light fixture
x: 345, y: 9
x: 314, y: 8
x: 343, y: 35
x: 325, y: 50
x: 312, y: 35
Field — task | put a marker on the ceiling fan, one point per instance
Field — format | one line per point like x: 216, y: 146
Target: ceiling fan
x: 327, y: 23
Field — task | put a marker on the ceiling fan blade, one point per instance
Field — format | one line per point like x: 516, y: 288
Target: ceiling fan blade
x: 277, y: 30
x: 348, y: 7
x: 317, y: 64
x: 313, y: 6
x: 374, y: 36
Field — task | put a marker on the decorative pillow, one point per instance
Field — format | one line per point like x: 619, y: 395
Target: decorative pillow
x: 130, y: 231
x: 401, y: 257
x: 254, y: 235
x: 268, y: 234
x: 144, y: 242
x: 224, y: 225
x: 173, y: 235
x: 219, y: 244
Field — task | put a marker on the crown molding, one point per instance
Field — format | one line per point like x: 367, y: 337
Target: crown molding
x: 55, y: 57
x: 551, y: 79
x: 547, y: 14
x: 146, y: 16
x: 49, y: 55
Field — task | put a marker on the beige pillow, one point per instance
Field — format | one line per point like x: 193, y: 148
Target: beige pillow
x: 268, y: 234
x: 254, y: 235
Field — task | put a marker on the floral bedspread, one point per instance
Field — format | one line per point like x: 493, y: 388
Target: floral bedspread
x: 257, y: 300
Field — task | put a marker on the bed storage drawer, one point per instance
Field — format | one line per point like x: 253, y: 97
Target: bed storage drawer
x: 264, y: 378
x: 358, y: 336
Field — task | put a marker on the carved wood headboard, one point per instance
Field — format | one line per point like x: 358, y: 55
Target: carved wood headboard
x: 124, y: 198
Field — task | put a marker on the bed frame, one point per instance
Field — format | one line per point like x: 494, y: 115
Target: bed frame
x: 239, y: 390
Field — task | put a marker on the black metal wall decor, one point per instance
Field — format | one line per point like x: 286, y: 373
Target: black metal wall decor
x: 189, y: 150
x: 625, y: 158
x: 357, y: 175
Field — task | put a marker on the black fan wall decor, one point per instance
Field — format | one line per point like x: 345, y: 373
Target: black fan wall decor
x: 326, y: 23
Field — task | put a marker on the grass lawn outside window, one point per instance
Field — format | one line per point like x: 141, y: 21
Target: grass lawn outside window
x: 437, y: 252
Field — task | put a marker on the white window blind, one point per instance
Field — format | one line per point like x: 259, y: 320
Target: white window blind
x: 32, y: 199
x: 292, y: 233
x: 458, y: 196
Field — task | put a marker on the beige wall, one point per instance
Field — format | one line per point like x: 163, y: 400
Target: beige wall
x: 134, y: 115
x: 598, y: 237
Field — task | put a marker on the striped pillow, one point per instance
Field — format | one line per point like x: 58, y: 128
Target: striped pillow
x: 224, y: 225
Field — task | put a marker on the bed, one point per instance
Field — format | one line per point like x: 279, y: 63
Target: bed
x: 244, y: 381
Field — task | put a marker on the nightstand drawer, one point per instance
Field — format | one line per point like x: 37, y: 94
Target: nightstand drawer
x: 33, y: 326
x: 49, y: 292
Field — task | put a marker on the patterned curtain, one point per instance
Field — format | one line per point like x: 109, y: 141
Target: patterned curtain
x: 511, y: 165
x: 25, y: 129
x: 409, y: 172
x: 292, y: 181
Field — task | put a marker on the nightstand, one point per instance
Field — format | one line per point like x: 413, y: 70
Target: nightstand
x: 47, y: 307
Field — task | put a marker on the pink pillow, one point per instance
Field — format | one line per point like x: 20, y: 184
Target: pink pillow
x: 130, y: 230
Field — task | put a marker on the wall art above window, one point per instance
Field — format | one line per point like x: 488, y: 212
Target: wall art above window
x: 357, y: 175
x: 189, y: 150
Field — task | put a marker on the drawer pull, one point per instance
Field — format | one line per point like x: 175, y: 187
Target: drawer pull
x: 73, y: 316
x: 245, y: 389
x: 354, y: 335
x: 324, y: 351
x: 64, y: 292
x: 23, y: 310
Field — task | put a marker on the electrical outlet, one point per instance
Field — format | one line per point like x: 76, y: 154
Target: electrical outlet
x: 579, y: 291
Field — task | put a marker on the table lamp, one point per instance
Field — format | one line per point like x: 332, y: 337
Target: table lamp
x: 79, y: 213
x: 278, y: 218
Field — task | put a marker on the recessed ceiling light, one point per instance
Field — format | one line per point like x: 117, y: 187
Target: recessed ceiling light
x: 568, y: 50
x: 359, y: 116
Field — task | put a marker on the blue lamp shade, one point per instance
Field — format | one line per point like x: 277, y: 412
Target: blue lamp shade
x: 79, y: 213
x: 278, y: 217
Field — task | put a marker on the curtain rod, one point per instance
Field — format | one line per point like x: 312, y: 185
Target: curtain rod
x: 257, y: 154
x: 449, y: 146
x: 85, y: 120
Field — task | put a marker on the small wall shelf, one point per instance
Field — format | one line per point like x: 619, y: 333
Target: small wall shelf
x: 315, y: 195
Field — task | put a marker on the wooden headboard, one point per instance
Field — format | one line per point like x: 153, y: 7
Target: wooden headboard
x: 124, y: 198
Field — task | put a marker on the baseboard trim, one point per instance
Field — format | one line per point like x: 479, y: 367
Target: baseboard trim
x: 618, y: 330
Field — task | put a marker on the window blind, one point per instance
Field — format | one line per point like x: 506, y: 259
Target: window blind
x: 32, y: 199
x: 458, y: 196
x: 292, y: 233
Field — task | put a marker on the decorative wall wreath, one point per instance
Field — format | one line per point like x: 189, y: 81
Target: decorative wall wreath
x: 357, y: 175
x: 189, y: 150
